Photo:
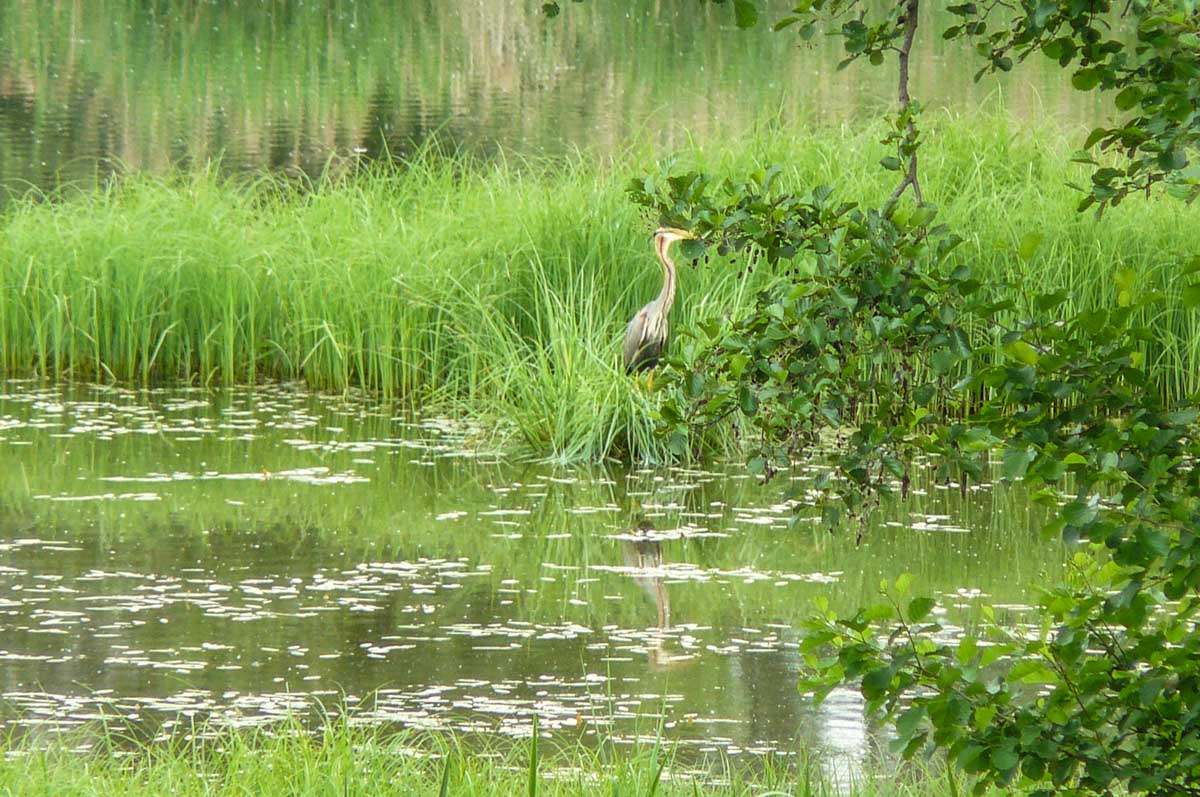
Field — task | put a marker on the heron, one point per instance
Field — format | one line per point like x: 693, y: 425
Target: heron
x: 647, y: 331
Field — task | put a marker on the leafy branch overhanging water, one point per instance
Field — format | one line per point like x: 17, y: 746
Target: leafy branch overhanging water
x: 893, y: 354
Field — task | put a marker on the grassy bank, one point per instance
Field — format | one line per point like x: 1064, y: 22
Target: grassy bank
x: 502, y: 288
x: 342, y: 761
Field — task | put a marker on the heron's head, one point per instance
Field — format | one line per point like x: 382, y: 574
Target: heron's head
x: 669, y: 235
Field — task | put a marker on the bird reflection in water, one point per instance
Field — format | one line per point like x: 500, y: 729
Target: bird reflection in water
x: 643, y: 556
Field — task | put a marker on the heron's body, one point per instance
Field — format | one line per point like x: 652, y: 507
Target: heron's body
x: 647, y: 332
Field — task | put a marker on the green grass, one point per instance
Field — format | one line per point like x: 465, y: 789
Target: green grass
x: 342, y: 760
x: 502, y: 289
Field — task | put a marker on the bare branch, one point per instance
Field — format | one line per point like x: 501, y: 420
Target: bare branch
x: 911, y: 11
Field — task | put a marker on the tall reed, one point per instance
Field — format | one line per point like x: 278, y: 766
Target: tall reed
x: 503, y: 288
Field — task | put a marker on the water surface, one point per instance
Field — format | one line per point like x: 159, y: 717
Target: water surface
x: 180, y: 555
x: 89, y: 89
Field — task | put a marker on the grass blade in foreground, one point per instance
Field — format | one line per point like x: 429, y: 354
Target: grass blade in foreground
x: 347, y: 761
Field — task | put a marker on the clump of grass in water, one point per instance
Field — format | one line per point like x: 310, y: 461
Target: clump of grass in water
x: 492, y: 289
x: 502, y: 289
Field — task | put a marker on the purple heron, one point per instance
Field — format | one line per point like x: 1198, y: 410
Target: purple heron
x: 646, y: 334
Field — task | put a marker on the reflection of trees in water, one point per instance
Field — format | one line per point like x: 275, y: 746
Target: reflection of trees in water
x: 289, y: 85
x: 61, y: 133
x: 837, y: 735
x: 394, y: 128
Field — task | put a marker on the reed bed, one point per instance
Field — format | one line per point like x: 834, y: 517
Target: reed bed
x: 501, y: 288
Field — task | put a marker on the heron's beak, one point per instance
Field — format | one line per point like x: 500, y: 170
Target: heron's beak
x: 675, y: 234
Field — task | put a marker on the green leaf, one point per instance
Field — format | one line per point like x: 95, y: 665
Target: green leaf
x: 1078, y: 513
x: 678, y: 444
x: 745, y: 13
x: 845, y: 298
x: 1128, y: 97
x: 1191, y: 296
x: 922, y: 216
x: 984, y: 716
x: 942, y: 361
x: 1028, y: 247
x: 1086, y: 79
x: 966, y: 649
x: 1125, y: 279
x: 1150, y: 690
x: 1045, y: 9
x: 1032, y: 671
x: 1056, y: 714
x: 908, y: 722
x: 1022, y: 352
x: 1004, y: 758
x: 1016, y: 462
x: 691, y: 249
x: 958, y: 340
x: 919, y: 608
x: 1050, y: 301
x: 747, y: 401
x: 876, y: 682
x: 1094, y: 138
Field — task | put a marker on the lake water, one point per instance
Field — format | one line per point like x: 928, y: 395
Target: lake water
x: 180, y: 555
x: 89, y: 89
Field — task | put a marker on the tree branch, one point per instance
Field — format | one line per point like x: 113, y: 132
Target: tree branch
x: 911, y: 11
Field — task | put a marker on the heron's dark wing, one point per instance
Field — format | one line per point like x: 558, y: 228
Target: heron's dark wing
x: 634, y: 341
x: 640, y: 351
x: 647, y: 357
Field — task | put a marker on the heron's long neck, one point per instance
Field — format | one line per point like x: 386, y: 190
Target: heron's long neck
x: 666, y: 297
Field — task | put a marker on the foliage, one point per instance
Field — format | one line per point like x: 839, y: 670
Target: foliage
x: 1154, y: 79
x: 874, y: 346
x: 1103, y: 694
x: 891, y: 358
x: 860, y: 349
x: 1144, y: 53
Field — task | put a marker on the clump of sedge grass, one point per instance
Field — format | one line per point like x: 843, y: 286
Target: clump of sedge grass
x: 502, y: 289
